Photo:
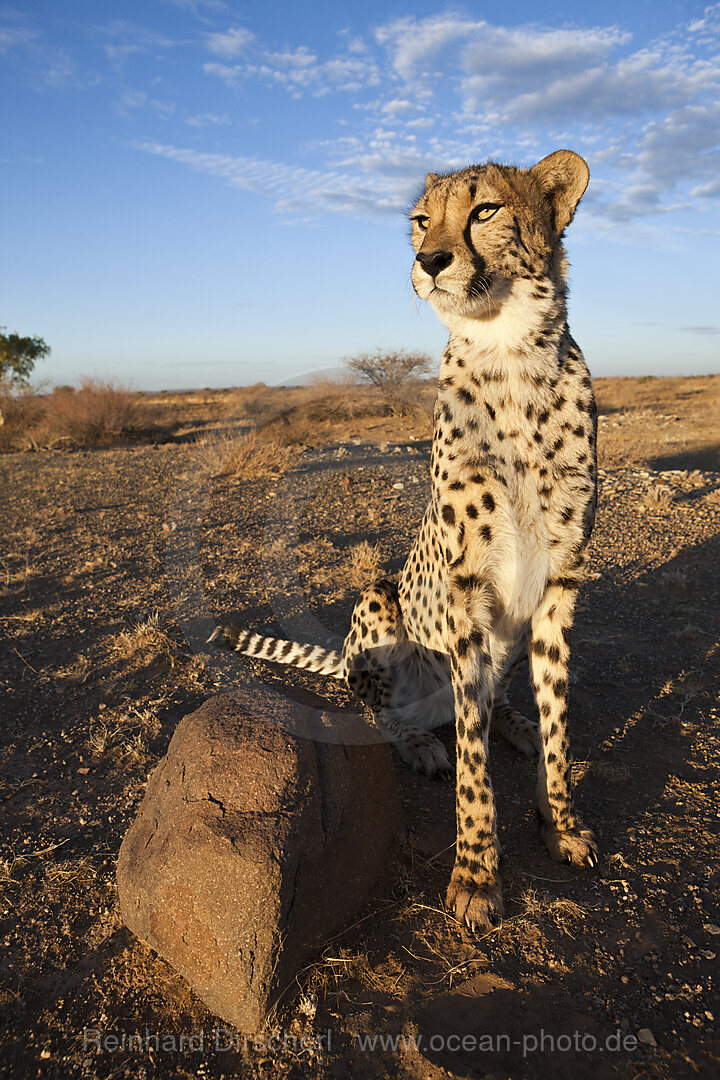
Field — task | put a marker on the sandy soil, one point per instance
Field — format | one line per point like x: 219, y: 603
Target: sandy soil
x: 115, y: 563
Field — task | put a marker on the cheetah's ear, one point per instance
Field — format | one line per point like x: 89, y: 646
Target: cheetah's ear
x: 430, y: 179
x: 563, y: 177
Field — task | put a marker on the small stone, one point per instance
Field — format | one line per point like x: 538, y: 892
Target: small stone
x: 711, y: 928
x: 646, y: 1036
x: 399, y: 487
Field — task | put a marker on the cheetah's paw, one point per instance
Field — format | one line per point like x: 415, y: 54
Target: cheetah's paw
x: 480, y: 905
x: 426, y: 755
x: 576, y: 845
x: 516, y: 729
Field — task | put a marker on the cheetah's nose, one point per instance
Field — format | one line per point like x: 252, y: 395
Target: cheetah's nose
x: 433, y: 262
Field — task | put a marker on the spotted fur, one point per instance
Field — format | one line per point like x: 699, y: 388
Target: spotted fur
x: 493, y: 574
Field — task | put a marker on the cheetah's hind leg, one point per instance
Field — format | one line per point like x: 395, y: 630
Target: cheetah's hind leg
x: 418, y: 748
x: 524, y: 734
x: 378, y: 660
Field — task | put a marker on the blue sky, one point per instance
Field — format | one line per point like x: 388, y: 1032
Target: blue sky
x: 212, y: 193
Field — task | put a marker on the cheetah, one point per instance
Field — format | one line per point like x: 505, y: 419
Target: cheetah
x: 494, y: 571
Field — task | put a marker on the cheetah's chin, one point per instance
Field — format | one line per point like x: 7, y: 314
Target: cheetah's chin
x: 469, y: 307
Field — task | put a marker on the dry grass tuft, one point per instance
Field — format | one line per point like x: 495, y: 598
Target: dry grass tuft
x: 325, y: 567
x: 609, y: 772
x: 675, y: 581
x: 78, y: 872
x: 564, y: 914
x: 365, y: 564
x: 124, y: 739
x: 340, y: 966
x: 77, y: 672
x: 99, y: 738
x: 658, y: 497
x: 33, y: 617
x: 244, y: 456
x: 146, y: 642
x: 618, y: 862
x: 14, y: 572
x: 312, y: 415
x: 6, y: 871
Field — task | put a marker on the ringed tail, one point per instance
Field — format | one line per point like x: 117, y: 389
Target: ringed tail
x: 307, y: 657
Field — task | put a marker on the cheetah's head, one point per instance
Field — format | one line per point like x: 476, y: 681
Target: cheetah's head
x: 479, y: 232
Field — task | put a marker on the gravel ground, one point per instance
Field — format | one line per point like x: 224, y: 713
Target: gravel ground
x: 115, y: 564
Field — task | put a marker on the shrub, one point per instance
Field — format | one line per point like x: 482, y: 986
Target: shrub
x: 94, y: 412
x: 19, y: 414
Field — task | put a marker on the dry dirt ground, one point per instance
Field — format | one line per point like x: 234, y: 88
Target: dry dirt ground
x: 115, y: 563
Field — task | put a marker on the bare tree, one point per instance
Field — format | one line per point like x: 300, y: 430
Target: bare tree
x: 394, y: 373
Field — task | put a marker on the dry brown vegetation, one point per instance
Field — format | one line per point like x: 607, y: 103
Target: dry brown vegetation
x: 245, y: 455
x: 396, y: 374
x: 96, y: 412
x: 103, y: 413
x: 273, y: 506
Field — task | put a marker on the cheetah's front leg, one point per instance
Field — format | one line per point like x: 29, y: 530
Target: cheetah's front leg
x: 474, y: 893
x: 564, y: 834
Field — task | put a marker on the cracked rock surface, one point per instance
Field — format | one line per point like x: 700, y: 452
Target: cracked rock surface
x: 252, y: 845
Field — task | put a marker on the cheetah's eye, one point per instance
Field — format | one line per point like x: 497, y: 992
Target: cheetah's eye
x: 485, y: 211
x: 422, y: 221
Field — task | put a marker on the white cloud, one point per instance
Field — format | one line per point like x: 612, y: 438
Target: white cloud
x: 646, y: 115
x: 397, y: 106
x: 131, y: 99
x: 45, y: 63
x: 448, y: 90
x: 125, y: 39
x: 413, y: 44
x: 681, y: 149
x: 521, y: 74
x: 12, y: 37
x: 230, y: 74
x: 163, y: 109
x: 245, y: 171
x: 203, y: 120
x: 376, y: 187
x: 231, y: 43
x: 137, y: 99
x: 298, y: 70
x: 709, y: 190
x: 198, y: 7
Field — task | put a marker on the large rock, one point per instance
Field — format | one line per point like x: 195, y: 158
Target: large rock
x: 250, y: 846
